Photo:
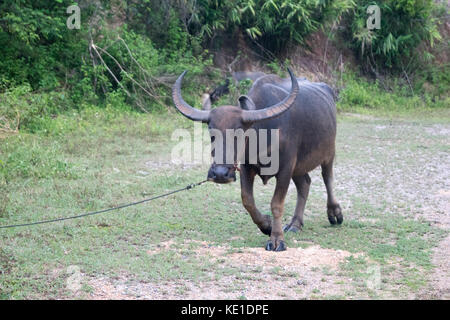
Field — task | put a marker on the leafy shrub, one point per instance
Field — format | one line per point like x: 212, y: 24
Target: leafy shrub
x: 433, y: 81
x: 47, y: 69
x: 36, y: 46
x: 276, y: 23
x: 404, y: 24
x: 360, y: 95
x: 143, y: 74
x: 29, y: 109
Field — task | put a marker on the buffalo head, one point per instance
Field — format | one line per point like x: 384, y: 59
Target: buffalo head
x: 223, y: 118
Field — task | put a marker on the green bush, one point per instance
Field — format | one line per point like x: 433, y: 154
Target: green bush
x: 36, y: 46
x: 433, y: 81
x: 404, y: 24
x: 28, y: 110
x: 275, y: 23
x: 145, y: 73
x: 39, y: 52
x: 361, y: 95
x: 47, y: 69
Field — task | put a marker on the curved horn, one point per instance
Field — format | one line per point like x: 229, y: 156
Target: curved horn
x: 275, y: 110
x: 183, y: 107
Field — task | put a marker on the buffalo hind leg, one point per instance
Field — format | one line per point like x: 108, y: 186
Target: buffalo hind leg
x: 333, y: 208
x: 302, y: 183
x: 276, y: 242
x: 263, y: 221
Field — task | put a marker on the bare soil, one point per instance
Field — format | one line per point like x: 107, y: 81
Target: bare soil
x: 290, y: 274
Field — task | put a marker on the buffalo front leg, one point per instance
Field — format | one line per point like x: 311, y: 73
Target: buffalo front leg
x: 302, y: 184
x: 263, y: 221
x: 276, y: 242
x: 333, y: 208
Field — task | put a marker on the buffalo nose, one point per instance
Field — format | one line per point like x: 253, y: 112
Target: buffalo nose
x: 220, y: 173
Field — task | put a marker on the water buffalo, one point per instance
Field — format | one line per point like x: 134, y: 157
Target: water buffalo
x: 305, y: 115
x: 220, y: 91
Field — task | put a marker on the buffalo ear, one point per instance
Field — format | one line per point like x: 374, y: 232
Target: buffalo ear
x: 246, y: 103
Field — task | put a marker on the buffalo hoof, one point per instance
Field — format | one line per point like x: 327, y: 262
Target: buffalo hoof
x: 270, y: 246
x: 291, y: 228
x: 335, y: 214
x: 281, y: 246
x: 332, y: 220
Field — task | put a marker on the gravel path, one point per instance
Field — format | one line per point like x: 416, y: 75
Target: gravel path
x: 407, y: 167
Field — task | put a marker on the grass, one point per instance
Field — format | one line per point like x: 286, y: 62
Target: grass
x: 364, y: 97
x: 97, y: 158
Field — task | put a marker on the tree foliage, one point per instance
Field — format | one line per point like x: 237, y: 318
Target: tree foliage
x: 141, y: 44
x: 36, y: 46
x: 275, y: 23
x: 404, y: 25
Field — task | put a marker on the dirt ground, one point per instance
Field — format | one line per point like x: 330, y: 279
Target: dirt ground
x: 265, y: 276
x: 262, y: 275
